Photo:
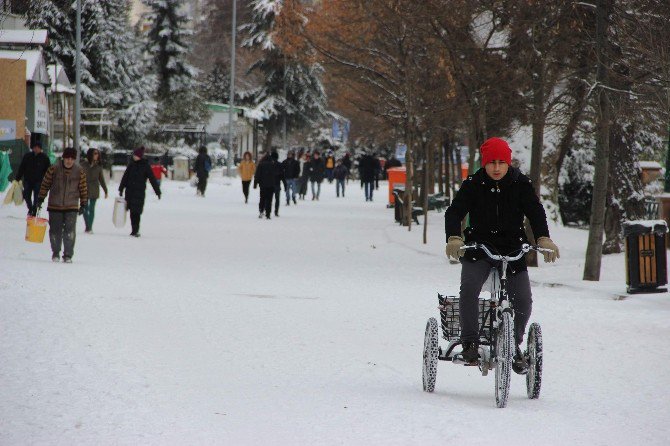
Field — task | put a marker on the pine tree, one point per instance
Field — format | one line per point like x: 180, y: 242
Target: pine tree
x: 216, y: 86
x: 167, y: 47
x: 305, y: 98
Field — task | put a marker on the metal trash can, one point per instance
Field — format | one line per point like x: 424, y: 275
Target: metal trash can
x: 646, y: 256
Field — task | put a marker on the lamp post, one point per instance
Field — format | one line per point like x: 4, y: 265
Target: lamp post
x: 231, y: 99
x: 77, y: 103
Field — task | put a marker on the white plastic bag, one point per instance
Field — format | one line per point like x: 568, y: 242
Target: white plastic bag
x: 119, y: 217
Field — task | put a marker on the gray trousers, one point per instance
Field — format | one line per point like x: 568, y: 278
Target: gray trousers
x: 62, y: 230
x: 473, y: 276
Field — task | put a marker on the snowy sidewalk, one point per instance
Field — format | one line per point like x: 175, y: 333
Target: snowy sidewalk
x: 216, y: 327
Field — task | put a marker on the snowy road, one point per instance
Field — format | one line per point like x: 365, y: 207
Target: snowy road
x: 219, y: 328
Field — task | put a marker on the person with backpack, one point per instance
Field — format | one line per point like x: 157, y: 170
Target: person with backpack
x: 32, y: 169
x: 497, y: 197
x: 203, y: 164
x: 134, y: 183
x: 94, y: 180
x: 329, y: 163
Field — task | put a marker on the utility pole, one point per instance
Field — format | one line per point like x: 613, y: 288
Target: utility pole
x: 77, y: 103
x: 231, y: 99
x: 285, y: 105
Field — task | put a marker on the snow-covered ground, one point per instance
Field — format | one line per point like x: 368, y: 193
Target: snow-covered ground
x: 216, y: 327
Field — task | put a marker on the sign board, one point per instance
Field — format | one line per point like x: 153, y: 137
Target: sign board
x: 340, y: 130
x: 400, y: 152
x: 13, y: 94
x: 7, y: 130
x: 41, y: 123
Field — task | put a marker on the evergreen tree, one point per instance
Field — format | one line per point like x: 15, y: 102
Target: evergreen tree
x: 216, y: 86
x: 113, y: 75
x: 305, y: 98
x: 167, y: 46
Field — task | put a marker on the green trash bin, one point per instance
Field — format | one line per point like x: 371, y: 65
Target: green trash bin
x: 646, y: 256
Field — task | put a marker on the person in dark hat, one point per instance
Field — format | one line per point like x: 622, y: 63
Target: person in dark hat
x: 65, y: 182
x: 31, y: 170
x: 134, y: 183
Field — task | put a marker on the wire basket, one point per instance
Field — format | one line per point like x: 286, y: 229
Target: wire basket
x: 450, y: 317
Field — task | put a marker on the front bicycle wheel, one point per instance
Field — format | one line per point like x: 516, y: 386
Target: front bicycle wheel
x: 504, y: 352
x: 534, y: 375
x: 430, y: 355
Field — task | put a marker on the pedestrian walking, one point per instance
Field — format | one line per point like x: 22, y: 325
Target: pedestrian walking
x: 159, y: 170
x: 265, y: 178
x: 203, y: 164
x: 134, y: 183
x: 65, y: 182
x: 304, y: 174
x: 279, y: 179
x: 291, y: 168
x: 32, y: 169
x: 367, y: 169
x: 340, y: 173
x: 316, y: 171
x: 246, y: 169
x: 346, y: 162
x: 95, y: 179
x: 330, y: 165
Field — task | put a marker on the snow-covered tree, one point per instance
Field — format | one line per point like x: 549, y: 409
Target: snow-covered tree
x: 290, y: 87
x: 167, y: 47
x: 216, y: 86
x: 113, y: 74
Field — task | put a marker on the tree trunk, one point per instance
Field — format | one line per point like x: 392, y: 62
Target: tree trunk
x: 440, y: 168
x: 426, y: 179
x: 409, y: 180
x: 537, y: 144
x: 595, y: 242
x: 267, y: 147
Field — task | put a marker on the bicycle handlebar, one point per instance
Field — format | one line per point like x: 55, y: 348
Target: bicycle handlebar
x: 524, y: 249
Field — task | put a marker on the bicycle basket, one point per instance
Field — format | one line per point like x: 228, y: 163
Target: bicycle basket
x: 450, y: 318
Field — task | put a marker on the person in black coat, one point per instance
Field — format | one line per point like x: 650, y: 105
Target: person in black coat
x: 134, y: 182
x: 291, y: 168
x: 368, y: 167
x: 265, y: 178
x: 203, y: 164
x: 497, y: 198
x: 279, y: 179
x: 316, y: 170
x: 31, y: 170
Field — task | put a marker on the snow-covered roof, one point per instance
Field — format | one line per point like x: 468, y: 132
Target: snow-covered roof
x: 646, y: 223
x: 649, y: 165
x: 24, y: 37
x: 36, y: 70
x: 59, y: 80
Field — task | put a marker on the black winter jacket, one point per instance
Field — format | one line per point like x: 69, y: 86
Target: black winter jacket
x: 316, y: 170
x: 291, y: 168
x: 266, y: 173
x: 134, y: 182
x: 200, y: 166
x: 368, y: 167
x: 497, y: 210
x: 341, y: 172
x: 33, y: 167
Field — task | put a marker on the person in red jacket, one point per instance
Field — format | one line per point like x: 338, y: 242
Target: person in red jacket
x: 159, y: 170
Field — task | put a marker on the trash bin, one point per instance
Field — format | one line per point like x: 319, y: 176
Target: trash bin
x: 397, y: 177
x: 646, y: 257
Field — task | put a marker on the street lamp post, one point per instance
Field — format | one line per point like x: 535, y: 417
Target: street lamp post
x: 231, y: 100
x: 77, y: 103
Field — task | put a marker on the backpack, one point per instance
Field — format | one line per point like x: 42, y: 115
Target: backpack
x: 208, y: 164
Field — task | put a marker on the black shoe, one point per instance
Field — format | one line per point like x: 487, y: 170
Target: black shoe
x: 55, y: 258
x: 294, y: 202
x: 246, y: 200
x: 135, y: 234
x: 67, y: 260
x: 470, y: 351
x: 288, y: 203
x: 276, y: 213
x: 520, y: 362
x: 260, y: 215
x: 267, y: 217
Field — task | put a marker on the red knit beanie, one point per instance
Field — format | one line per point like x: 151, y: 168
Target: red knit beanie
x: 496, y: 149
